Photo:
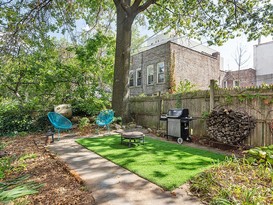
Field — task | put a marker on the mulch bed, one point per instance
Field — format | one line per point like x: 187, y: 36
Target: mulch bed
x: 61, y: 185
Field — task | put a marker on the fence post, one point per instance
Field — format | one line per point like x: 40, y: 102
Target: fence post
x: 159, y: 109
x: 211, y: 94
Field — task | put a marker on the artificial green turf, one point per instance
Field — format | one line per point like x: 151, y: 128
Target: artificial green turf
x: 163, y: 163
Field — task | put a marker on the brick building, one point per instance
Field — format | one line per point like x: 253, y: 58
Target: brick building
x: 240, y: 78
x: 162, y: 67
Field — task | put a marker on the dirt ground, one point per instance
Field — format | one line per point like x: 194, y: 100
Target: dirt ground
x: 60, y: 184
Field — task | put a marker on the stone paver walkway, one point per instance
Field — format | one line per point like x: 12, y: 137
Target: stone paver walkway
x: 113, y: 185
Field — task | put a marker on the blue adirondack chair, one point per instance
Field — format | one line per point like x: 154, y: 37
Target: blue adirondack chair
x: 105, y: 118
x: 59, y: 122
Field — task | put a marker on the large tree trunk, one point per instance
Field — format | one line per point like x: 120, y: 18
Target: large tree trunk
x: 122, y: 65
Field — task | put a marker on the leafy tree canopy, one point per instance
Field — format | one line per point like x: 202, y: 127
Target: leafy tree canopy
x: 26, y: 25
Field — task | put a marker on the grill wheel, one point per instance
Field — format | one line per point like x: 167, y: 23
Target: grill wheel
x: 179, y: 140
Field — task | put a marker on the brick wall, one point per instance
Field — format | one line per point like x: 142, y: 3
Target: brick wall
x: 142, y: 60
x: 246, y: 78
x: 199, y: 68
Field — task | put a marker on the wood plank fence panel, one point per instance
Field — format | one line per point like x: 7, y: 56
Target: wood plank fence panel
x: 146, y: 111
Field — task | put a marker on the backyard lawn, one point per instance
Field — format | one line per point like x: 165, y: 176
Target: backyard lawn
x: 163, y: 163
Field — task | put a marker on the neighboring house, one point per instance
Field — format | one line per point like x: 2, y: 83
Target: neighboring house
x: 263, y: 63
x: 162, y: 67
x: 240, y: 78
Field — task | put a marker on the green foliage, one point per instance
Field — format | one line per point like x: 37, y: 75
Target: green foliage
x: 117, y: 120
x: 27, y: 156
x: 2, y: 145
x: 234, y: 181
x: 14, y: 118
x: 5, y: 165
x: 17, y: 187
x: 228, y: 99
x: 17, y: 119
x: 178, y: 100
x: 39, y: 72
x: 32, y: 83
x: 205, y: 115
x: 213, y: 19
x: 84, y: 122
x: 90, y: 106
x: 185, y: 87
x: 260, y: 155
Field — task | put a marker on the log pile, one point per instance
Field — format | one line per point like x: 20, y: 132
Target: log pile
x: 229, y: 127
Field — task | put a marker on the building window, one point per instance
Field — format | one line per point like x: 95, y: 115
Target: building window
x: 225, y: 84
x: 160, y: 72
x: 236, y: 83
x: 138, y: 76
x: 150, y: 74
x: 131, y: 81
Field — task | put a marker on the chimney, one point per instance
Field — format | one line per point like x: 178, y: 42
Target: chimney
x: 216, y: 54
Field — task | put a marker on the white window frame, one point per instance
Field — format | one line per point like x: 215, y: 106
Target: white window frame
x: 131, y: 77
x: 234, y: 83
x: 139, y: 69
x: 150, y: 72
x: 158, y: 66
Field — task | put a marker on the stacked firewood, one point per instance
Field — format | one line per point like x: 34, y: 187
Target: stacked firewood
x: 229, y: 127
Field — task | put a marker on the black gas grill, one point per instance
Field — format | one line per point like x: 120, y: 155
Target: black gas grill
x: 177, y: 124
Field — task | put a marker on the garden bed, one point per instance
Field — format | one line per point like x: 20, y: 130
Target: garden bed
x: 31, y: 158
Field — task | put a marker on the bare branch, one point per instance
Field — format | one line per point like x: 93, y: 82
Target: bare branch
x: 4, y: 3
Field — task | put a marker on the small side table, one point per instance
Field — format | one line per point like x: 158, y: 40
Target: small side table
x: 48, y: 134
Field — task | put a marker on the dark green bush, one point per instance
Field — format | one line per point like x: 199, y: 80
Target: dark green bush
x: 16, y: 118
x: 90, y: 106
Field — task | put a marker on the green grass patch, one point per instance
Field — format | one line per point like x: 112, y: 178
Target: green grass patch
x: 163, y: 163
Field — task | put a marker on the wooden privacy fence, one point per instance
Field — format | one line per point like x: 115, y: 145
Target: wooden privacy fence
x: 257, y: 102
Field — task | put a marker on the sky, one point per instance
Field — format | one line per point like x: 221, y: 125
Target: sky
x: 228, y: 50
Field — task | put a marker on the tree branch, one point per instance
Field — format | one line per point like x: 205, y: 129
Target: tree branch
x: 37, y: 8
x: 145, y: 5
x: 136, y: 4
x: 2, y: 4
x: 126, y: 7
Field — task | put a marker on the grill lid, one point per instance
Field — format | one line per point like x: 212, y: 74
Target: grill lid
x: 178, y: 113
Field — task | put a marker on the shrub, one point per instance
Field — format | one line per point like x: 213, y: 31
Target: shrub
x: 234, y: 181
x: 90, y: 106
x: 84, y: 122
x: 14, y: 118
x: 260, y: 155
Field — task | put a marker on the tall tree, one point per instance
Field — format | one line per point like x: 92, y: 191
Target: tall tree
x: 126, y: 14
x: 218, y: 20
